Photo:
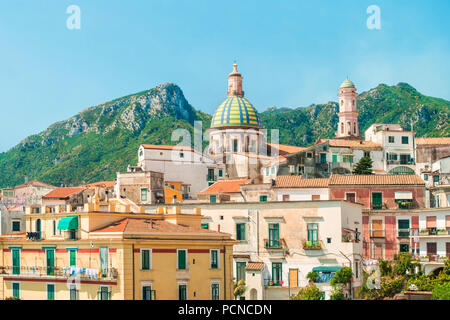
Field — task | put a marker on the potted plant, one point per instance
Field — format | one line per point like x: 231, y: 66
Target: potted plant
x: 442, y: 232
x: 423, y: 231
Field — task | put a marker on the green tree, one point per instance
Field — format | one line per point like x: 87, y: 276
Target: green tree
x: 312, y: 276
x: 239, y: 289
x: 364, y: 166
x: 310, y: 292
x: 441, y: 291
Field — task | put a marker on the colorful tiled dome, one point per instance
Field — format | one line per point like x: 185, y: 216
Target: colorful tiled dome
x: 236, y: 112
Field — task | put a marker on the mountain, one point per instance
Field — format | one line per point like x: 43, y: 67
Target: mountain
x: 101, y: 140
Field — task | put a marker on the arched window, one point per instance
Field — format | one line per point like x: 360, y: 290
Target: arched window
x: 342, y: 103
x: 342, y: 127
x: 354, y: 127
x: 349, y: 125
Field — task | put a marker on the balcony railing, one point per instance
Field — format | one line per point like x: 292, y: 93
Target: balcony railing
x: 434, y: 232
x: 274, y: 243
x: 211, y: 177
x: 273, y: 283
x: 35, y: 236
x: 59, y: 272
x: 377, y: 233
x: 312, y: 245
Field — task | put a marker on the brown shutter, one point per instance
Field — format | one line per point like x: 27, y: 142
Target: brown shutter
x: 316, y: 197
x: 447, y: 249
x: 431, y: 222
x: 447, y: 221
x: 351, y: 197
x: 431, y: 248
x: 293, y: 278
x: 285, y: 197
x: 377, y: 228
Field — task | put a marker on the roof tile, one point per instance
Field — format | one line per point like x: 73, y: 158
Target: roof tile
x: 299, y: 182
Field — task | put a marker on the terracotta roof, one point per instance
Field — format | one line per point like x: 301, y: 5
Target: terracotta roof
x: 63, y: 192
x: 254, y: 265
x: 166, y: 147
x: 376, y: 179
x: 299, y: 182
x: 141, y: 225
x: 352, y: 143
x: 105, y: 184
x: 285, y: 149
x: 226, y: 186
x: 433, y: 141
x: 34, y: 183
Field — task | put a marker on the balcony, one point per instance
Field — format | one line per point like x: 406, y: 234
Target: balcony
x: 273, y: 283
x: 434, y: 258
x: 403, y: 233
x: 35, y: 236
x: 274, y: 244
x: 87, y: 274
x: 434, y: 232
x: 211, y: 178
x: 312, y: 245
x: 378, y: 233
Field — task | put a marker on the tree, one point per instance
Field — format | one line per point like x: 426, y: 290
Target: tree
x: 340, y: 281
x: 239, y: 289
x: 310, y: 292
x: 311, y: 276
x: 441, y: 291
x: 364, y: 166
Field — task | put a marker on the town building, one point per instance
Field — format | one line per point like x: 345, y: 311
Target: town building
x: 433, y: 235
x: 140, y: 187
x: 279, y: 243
x: 108, y: 252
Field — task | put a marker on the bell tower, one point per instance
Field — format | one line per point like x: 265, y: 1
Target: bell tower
x: 348, y: 115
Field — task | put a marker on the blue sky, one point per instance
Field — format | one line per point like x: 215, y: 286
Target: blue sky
x: 291, y: 53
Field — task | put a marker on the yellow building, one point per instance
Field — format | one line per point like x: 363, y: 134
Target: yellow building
x: 107, y: 252
x: 175, y: 192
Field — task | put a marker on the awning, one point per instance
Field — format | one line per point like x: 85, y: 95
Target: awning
x: 68, y: 223
x: 403, y: 195
x: 327, y: 269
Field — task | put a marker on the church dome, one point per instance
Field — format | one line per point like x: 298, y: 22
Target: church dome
x: 347, y: 84
x: 236, y: 112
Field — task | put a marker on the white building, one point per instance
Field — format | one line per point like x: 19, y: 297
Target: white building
x: 434, y: 237
x: 180, y: 163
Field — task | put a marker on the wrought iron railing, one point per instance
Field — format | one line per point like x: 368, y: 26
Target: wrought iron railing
x: 61, y: 272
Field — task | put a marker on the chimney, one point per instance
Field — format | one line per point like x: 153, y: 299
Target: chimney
x: 218, y: 228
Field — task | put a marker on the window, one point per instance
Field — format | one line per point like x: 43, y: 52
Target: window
x: 73, y: 258
x: 436, y: 178
x: 315, y: 197
x: 267, y: 171
x: 277, y: 274
x: 285, y: 197
x: 391, y: 139
x: 240, y: 231
x: 104, y: 261
x: 103, y: 293
x: 50, y: 254
x: 328, y: 240
x: 16, y: 290
x: 16, y: 261
x: 351, y: 197
x: 215, y: 291
x: 309, y: 155
x: 73, y: 292
x: 274, y: 235
x: 181, y: 155
x: 214, y: 257
x: 323, y: 158
x: 205, y: 225
x: 146, y: 259
x: 182, y: 291
x: 240, y: 271
x: 54, y: 227
x: 313, y: 234
x: 182, y: 257
x: 144, y: 194
x: 15, y: 226
x: 235, y: 145
x: 50, y: 291
x: 220, y: 173
x: 366, y: 154
x: 212, y: 199
x: 403, y: 228
x: 348, y: 158
x: 354, y: 123
x: 263, y: 198
x: 377, y: 200
x: 272, y: 170
x: 425, y: 177
x: 404, y: 248
x: 148, y: 293
x: 334, y: 158
x: 356, y: 269
x: 405, y: 140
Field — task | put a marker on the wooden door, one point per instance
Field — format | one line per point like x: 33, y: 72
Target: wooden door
x: 377, y: 228
x: 293, y: 278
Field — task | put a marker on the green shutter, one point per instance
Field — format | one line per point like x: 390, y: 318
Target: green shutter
x: 377, y: 198
x: 213, y: 199
x: 144, y: 194
x: 334, y: 157
x: 50, y: 261
x: 16, y: 290
x: 50, y: 292
x: 104, y: 260
x: 16, y: 261
x: 73, y: 258
x: 205, y: 225
x: 274, y: 234
x: 240, y: 271
x: 145, y: 259
x: 214, y: 259
x: 181, y: 259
